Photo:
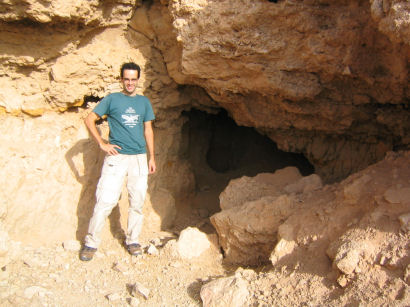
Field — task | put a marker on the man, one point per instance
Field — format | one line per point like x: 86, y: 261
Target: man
x: 130, y: 119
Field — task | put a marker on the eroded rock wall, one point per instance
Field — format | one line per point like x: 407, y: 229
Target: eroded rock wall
x: 329, y: 79
x: 57, y: 59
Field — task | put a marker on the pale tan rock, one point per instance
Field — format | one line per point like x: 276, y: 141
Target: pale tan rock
x: 68, y: 10
x: 192, y: 243
x: 120, y: 267
x: 72, y: 245
x: 138, y: 290
x: 140, y: 22
x: 246, y: 188
x: 248, y: 233
x: 35, y: 105
x: 224, y: 292
x: 353, y: 247
x: 113, y: 297
x: 342, y: 281
x: 282, y: 249
x: 305, y: 184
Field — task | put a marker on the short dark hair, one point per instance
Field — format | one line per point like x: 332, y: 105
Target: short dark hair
x: 130, y: 66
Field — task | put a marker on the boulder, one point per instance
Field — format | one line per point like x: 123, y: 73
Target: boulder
x: 192, y: 243
x: 246, y: 189
x: 249, y: 233
x: 225, y: 292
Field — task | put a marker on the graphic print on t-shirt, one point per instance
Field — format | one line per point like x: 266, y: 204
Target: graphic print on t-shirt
x: 130, y: 119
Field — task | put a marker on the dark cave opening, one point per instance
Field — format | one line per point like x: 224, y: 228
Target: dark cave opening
x: 219, y: 150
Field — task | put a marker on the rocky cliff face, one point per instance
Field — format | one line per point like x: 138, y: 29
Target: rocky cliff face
x: 327, y: 79
x: 323, y: 78
x: 317, y: 77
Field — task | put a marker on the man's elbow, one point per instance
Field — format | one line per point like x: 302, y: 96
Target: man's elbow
x: 91, y: 118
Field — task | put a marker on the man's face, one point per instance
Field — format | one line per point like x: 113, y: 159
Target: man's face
x: 129, y: 81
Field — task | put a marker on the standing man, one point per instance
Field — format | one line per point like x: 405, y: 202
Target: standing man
x: 130, y: 119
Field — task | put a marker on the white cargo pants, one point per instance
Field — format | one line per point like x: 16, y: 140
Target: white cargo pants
x: 109, y: 188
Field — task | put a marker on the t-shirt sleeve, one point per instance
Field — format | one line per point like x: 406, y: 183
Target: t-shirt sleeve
x: 149, y: 112
x: 103, y: 106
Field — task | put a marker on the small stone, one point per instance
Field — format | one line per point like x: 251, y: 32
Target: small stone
x: 139, y: 289
x: 156, y: 241
x: 342, y: 281
x: 192, y: 243
x: 113, y: 297
x: 152, y: 250
x: 72, y: 245
x: 120, y: 267
x: 383, y: 260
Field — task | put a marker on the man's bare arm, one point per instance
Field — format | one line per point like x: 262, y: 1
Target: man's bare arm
x: 90, y: 122
x: 149, y: 139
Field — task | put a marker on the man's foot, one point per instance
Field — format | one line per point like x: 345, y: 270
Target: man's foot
x: 134, y: 249
x: 87, y: 253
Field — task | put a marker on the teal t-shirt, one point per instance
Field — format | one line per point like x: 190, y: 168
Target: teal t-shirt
x: 126, y: 117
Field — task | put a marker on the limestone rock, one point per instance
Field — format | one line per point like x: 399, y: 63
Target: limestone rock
x: 113, y: 297
x: 152, y: 250
x: 246, y: 189
x: 68, y: 10
x: 120, y: 267
x: 72, y: 245
x: 282, y: 249
x: 139, y: 290
x: 249, y: 233
x: 192, y: 243
x: 305, y: 184
x: 224, y: 292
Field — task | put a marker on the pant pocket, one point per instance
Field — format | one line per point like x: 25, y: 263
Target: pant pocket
x: 111, y: 180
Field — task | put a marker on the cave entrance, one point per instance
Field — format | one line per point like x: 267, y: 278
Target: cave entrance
x: 219, y: 150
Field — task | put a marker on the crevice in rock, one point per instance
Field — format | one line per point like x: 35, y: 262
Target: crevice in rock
x: 88, y: 99
x: 85, y: 104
